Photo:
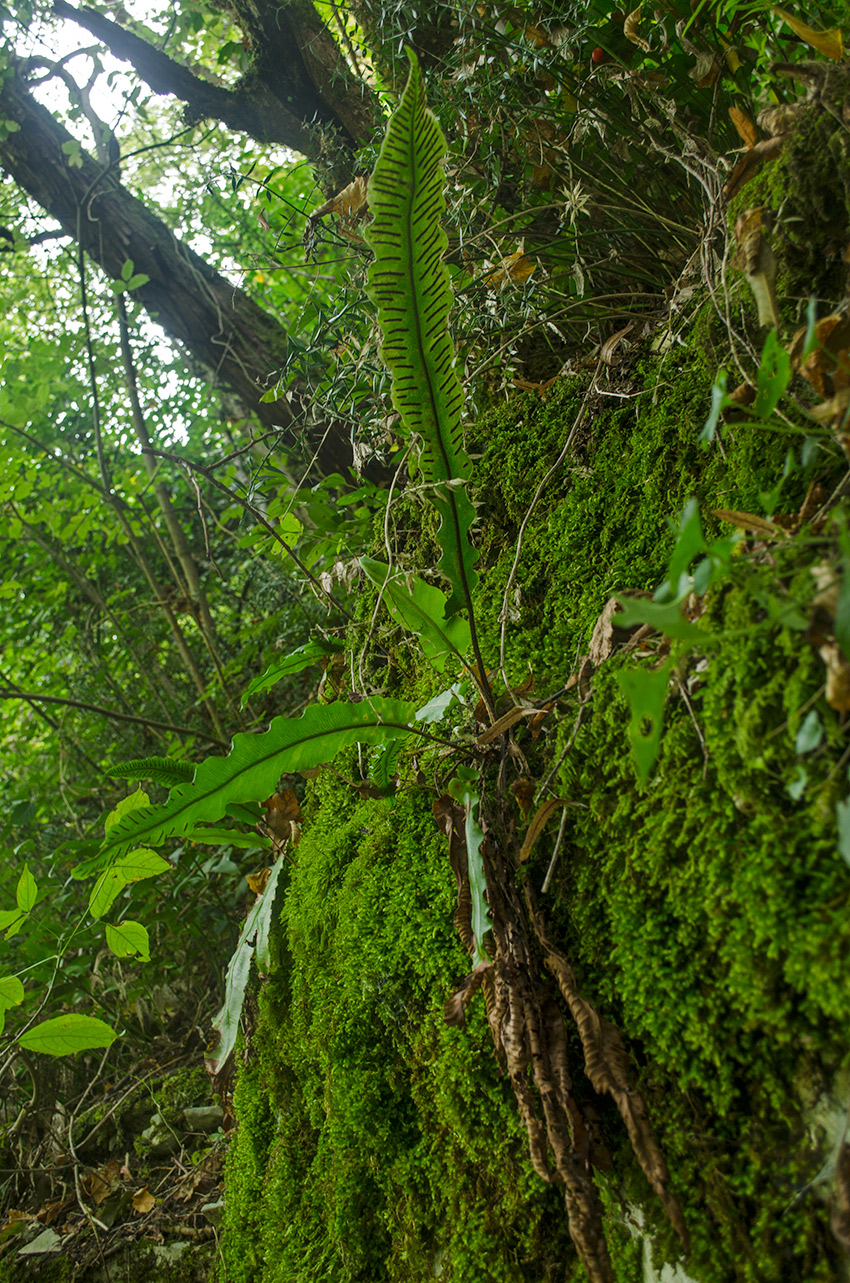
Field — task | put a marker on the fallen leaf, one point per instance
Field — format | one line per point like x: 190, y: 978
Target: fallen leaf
x: 608, y: 350
x: 706, y: 70
x: 745, y: 127
x: 100, y: 1184
x: 454, y: 1010
x: 143, y: 1201
x: 830, y: 43
x: 827, y: 369
x: 748, y: 521
x: 257, y: 881
x: 517, y: 267
x: 283, y: 811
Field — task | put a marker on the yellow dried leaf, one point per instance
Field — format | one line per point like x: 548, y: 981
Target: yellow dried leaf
x: 143, y: 1201
x: 516, y: 267
x: 630, y: 27
x: 748, y: 521
x: 733, y: 62
x: 257, y: 881
x: 830, y: 43
x: 745, y: 127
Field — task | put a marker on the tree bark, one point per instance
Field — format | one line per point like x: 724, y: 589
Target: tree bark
x: 299, y: 91
x: 237, y: 344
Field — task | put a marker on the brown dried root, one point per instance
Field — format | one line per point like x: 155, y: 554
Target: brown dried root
x: 530, y: 1039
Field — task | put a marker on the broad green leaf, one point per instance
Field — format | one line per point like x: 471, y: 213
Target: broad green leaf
x: 11, y: 921
x: 133, y: 867
x: 127, y: 939
x: 257, y: 928
x: 27, y: 891
x: 11, y: 991
x: 421, y: 608
x: 65, y: 1035
x: 251, y: 771
x: 161, y: 770
x: 810, y: 734
x: 646, y: 692
x: 667, y: 618
x: 133, y: 802
x: 313, y: 652
x: 440, y: 704
x: 690, y: 542
x: 410, y: 286
x: 464, y: 788
x: 774, y: 375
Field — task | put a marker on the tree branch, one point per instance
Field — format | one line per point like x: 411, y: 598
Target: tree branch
x: 113, y: 715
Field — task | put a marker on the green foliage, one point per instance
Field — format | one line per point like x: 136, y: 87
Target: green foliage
x: 423, y: 610
x: 160, y: 770
x: 67, y: 1035
x: 410, y: 286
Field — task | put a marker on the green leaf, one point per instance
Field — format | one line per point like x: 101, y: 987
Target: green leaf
x: 437, y: 707
x: 842, y: 814
x: 809, y: 735
x: 11, y: 991
x: 132, y: 867
x: 65, y: 1035
x: 690, y: 542
x: 128, y: 938
x: 646, y: 692
x: 313, y: 652
x: 773, y: 377
x: 257, y: 928
x: 27, y: 891
x: 422, y: 609
x: 133, y: 802
x: 719, y: 402
x: 251, y: 772
x: 11, y: 921
x: 464, y: 788
x: 160, y: 770
x: 667, y: 618
x: 409, y: 283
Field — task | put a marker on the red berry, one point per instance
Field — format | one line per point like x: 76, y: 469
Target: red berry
x: 598, y: 55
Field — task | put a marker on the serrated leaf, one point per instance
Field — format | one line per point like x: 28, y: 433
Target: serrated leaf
x: 27, y: 891
x: 128, y: 938
x: 409, y: 283
x: 421, y: 608
x: 160, y: 770
x: 251, y: 771
x: 66, y: 1035
x: 313, y: 652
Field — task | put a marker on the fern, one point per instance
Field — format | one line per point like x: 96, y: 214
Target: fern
x: 252, y: 769
x: 410, y: 286
x: 161, y: 770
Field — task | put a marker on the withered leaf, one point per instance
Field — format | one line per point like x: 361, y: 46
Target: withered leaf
x: 745, y: 127
x: 517, y: 267
x: 454, y: 1010
x: 537, y: 825
x: 630, y: 29
x: 523, y: 791
x: 755, y: 258
x: 257, y: 881
x: 751, y: 162
x: 748, y: 521
x: 837, y: 677
x: 827, y: 369
x: 830, y: 43
x: 143, y: 1201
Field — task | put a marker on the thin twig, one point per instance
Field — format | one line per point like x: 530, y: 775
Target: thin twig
x: 558, y: 840
x: 113, y: 714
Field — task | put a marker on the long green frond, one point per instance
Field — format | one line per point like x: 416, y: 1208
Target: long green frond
x: 410, y: 285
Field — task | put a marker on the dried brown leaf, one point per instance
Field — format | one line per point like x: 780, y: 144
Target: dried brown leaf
x: 830, y: 43
x: 751, y: 162
x: 143, y: 1201
x: 837, y: 677
x: 537, y: 826
x: 630, y: 29
x: 523, y: 791
x: 454, y: 1010
x: 748, y: 521
x: 755, y: 257
x: 745, y: 127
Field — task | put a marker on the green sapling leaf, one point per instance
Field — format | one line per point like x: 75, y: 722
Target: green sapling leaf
x: 66, y: 1035
x: 127, y: 939
x: 27, y: 891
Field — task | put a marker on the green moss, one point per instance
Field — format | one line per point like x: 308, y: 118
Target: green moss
x: 705, y: 912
